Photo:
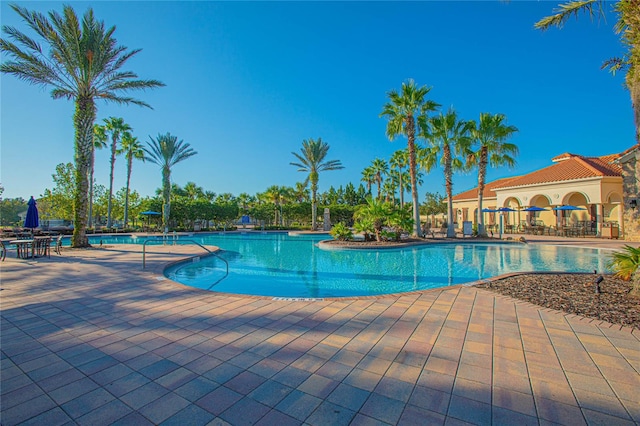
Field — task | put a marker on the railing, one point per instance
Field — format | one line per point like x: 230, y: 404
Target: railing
x: 144, y: 254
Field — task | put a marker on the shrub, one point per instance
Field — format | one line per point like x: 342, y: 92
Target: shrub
x: 341, y: 232
x: 625, y: 265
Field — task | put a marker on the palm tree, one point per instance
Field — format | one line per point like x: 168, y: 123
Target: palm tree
x: 380, y: 168
x: 389, y: 190
x: 628, y: 26
x: 490, y: 136
x: 83, y: 62
x: 312, y: 160
x: 399, y: 160
x: 368, y: 177
x: 276, y: 194
x: 193, y: 192
x: 99, y: 142
x: 166, y: 151
x: 132, y: 150
x: 403, y: 111
x: 376, y: 214
x: 300, y: 191
x: 245, y: 200
x: 115, y: 127
x: 450, y: 137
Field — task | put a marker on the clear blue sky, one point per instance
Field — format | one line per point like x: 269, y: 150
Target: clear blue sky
x: 248, y: 81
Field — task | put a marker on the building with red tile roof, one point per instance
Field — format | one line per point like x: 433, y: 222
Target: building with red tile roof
x: 591, y: 184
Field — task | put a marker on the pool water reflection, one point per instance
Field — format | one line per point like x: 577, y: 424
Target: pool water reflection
x: 293, y: 266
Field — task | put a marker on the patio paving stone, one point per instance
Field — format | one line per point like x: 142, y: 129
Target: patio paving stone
x: 125, y: 347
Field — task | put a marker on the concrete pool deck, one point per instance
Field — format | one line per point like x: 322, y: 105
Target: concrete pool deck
x: 90, y: 338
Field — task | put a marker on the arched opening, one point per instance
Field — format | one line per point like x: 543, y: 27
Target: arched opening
x: 512, y: 217
x: 546, y: 216
x: 612, y: 209
x: 581, y: 215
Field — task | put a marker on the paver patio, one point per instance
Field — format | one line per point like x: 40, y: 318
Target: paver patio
x: 90, y: 338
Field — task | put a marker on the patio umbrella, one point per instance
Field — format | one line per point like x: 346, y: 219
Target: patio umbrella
x: 506, y: 209
x: 489, y: 210
x: 31, y: 221
x: 568, y: 207
x: 534, y: 209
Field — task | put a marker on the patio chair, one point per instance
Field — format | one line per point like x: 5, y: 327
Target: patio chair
x: 58, y: 246
x: 3, y: 251
x: 442, y: 232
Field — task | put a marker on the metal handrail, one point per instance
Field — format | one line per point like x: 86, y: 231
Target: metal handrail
x: 144, y: 253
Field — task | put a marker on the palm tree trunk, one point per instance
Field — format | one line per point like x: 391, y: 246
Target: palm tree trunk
x: 166, y: 194
x: 482, y: 175
x: 448, y: 179
x: 635, y: 102
x: 113, y: 164
x: 84, y: 118
x: 126, y: 195
x: 411, y: 146
x: 314, y: 201
x: 402, y: 189
x: 93, y: 164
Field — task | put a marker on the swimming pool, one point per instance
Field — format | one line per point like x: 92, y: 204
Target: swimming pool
x: 279, y: 265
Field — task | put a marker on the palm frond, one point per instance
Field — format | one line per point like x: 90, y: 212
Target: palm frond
x: 615, y: 64
x: 572, y: 8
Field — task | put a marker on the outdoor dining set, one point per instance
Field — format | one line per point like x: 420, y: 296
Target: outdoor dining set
x: 29, y: 246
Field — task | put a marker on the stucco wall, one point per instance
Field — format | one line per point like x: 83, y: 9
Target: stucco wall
x: 631, y: 191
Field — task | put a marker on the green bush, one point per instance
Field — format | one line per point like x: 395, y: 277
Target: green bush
x: 341, y: 232
x: 626, y: 264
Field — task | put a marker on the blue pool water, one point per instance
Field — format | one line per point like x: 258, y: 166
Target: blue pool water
x: 293, y: 266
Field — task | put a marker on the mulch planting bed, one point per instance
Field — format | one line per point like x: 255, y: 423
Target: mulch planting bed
x: 574, y: 294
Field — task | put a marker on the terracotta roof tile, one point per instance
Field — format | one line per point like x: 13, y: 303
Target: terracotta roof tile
x: 488, y: 192
x: 576, y: 167
x: 564, y: 156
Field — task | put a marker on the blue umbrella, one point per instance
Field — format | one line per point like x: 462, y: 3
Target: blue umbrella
x: 506, y: 209
x: 489, y: 210
x: 568, y: 207
x: 150, y: 213
x: 31, y: 221
x: 534, y: 209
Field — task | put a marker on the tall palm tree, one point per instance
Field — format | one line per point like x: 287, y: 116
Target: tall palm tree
x: 403, y: 111
x: 490, y: 136
x: 132, y: 150
x: 82, y: 63
x: 399, y: 160
x: 450, y: 136
x: 380, y: 169
x: 312, y: 160
x: 114, y: 127
x: 99, y: 142
x: 628, y: 25
x: 166, y: 151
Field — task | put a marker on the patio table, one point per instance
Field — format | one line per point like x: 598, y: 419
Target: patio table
x: 23, y: 247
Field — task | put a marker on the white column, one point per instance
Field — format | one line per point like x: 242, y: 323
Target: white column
x: 598, y: 219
